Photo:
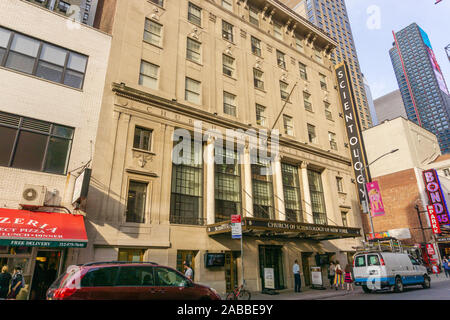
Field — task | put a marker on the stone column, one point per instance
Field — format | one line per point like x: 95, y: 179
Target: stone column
x: 308, y: 217
x: 209, y: 189
x: 280, y: 213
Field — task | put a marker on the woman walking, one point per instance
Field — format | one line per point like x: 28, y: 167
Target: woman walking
x: 348, y: 277
x: 5, y: 280
x: 338, y: 278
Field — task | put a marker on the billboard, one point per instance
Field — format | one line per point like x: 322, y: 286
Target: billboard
x: 434, y: 63
x: 376, y: 203
x: 436, y: 196
x: 353, y: 129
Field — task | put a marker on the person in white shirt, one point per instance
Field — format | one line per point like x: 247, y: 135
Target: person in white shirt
x: 297, y: 279
x: 188, y: 271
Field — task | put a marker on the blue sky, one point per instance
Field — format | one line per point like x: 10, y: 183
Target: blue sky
x: 372, y: 23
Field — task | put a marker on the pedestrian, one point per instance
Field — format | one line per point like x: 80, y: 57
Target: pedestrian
x: 188, y: 271
x: 331, y: 273
x: 17, y: 283
x: 348, y: 277
x: 435, y: 270
x: 297, y: 279
x: 446, y: 267
x: 5, y: 281
x: 338, y: 279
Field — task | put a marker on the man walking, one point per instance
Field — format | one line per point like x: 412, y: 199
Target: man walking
x: 297, y: 279
x: 446, y: 266
x: 188, y: 272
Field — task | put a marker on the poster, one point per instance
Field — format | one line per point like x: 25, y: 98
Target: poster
x: 269, y: 278
x: 316, y: 276
x: 376, y: 203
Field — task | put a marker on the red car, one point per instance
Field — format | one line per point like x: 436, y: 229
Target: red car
x: 126, y: 281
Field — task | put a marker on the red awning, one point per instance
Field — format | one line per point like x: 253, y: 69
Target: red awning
x: 23, y: 228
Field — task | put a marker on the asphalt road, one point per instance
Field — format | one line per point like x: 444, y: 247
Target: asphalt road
x: 438, y: 291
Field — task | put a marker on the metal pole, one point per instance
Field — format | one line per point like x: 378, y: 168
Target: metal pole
x: 242, y: 251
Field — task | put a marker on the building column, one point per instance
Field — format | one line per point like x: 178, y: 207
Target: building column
x: 278, y: 189
x: 308, y: 216
x: 209, y: 163
x: 247, y: 185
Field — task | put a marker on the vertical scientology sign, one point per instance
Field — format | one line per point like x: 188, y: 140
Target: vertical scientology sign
x: 353, y: 130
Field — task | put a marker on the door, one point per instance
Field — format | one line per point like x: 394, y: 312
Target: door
x: 45, y: 272
x: 189, y: 257
x: 306, y: 268
x: 272, y: 257
x: 231, y: 278
x: 171, y: 285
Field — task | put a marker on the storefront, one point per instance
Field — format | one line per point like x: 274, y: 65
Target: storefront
x: 271, y: 247
x: 39, y: 242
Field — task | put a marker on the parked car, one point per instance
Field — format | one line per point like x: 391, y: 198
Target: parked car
x: 126, y: 281
x: 376, y: 270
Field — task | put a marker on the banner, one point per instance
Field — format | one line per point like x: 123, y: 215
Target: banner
x: 376, y: 203
x: 433, y: 220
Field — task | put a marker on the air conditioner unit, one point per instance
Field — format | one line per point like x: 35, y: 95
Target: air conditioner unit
x: 33, y: 195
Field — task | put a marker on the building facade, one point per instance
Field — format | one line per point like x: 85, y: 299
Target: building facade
x: 373, y: 113
x: 390, y: 106
x: 195, y: 69
x: 52, y: 88
x: 332, y: 17
x: 424, y: 92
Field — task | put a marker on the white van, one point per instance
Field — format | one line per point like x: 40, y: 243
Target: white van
x: 375, y: 270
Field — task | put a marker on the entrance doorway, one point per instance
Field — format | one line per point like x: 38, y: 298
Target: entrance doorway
x: 189, y: 257
x: 272, y: 257
x: 231, y: 276
x: 306, y: 268
x: 45, y: 272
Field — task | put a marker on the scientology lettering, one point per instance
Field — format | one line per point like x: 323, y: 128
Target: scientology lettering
x: 353, y: 129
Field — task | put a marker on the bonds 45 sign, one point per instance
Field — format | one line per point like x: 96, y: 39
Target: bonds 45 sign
x: 436, y: 196
x: 433, y: 220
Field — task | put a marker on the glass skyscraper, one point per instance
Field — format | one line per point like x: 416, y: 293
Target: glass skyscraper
x: 422, y: 86
x: 331, y: 16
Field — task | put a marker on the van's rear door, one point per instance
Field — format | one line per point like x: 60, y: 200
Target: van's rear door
x: 360, y: 266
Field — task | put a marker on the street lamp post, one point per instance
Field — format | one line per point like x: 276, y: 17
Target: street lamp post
x: 365, y: 190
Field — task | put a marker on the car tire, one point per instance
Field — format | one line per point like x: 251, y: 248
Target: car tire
x: 398, y: 287
x: 427, y: 282
x: 366, y: 289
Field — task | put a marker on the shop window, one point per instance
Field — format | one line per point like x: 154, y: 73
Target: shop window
x: 33, y: 144
x: 131, y: 255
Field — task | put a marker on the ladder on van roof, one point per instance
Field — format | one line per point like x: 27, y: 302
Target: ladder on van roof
x: 385, y: 244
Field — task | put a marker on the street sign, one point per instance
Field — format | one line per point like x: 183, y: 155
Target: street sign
x: 430, y: 249
x: 433, y: 220
x: 236, y: 227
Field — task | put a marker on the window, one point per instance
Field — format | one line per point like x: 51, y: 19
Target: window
x: 192, y: 93
x: 229, y: 104
x: 254, y: 16
x: 328, y: 113
x: 283, y: 90
x: 373, y: 260
x: 307, y: 101
x: 131, y: 255
x: 41, y: 59
x: 153, y: 32
x: 227, y: 4
x: 158, y: 2
x: 193, y: 50
x: 228, y: 65
x: 256, y: 46
x: 281, y: 59
x: 169, y: 278
x: 258, y: 79
x: 344, y: 219
x: 360, y: 261
x: 288, y: 126
x: 291, y: 190
x: 312, y: 133
x: 260, y: 115
x: 136, y: 277
x: 332, y: 139
x: 227, y: 184
x: 100, y: 277
x: 317, y: 197
x: 227, y: 31
x: 63, y: 6
x: 323, y: 82
x: 142, y: 138
x: 148, y: 75
x: 302, y: 68
x: 339, y: 184
x: 298, y: 44
x: 262, y: 189
x: 194, y: 14
x: 187, y: 187
x: 278, y: 30
x: 137, y: 194
x: 33, y: 144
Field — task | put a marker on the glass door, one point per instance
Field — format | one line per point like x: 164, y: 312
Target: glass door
x: 272, y: 257
x: 231, y: 277
x: 306, y: 269
x: 46, y: 268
